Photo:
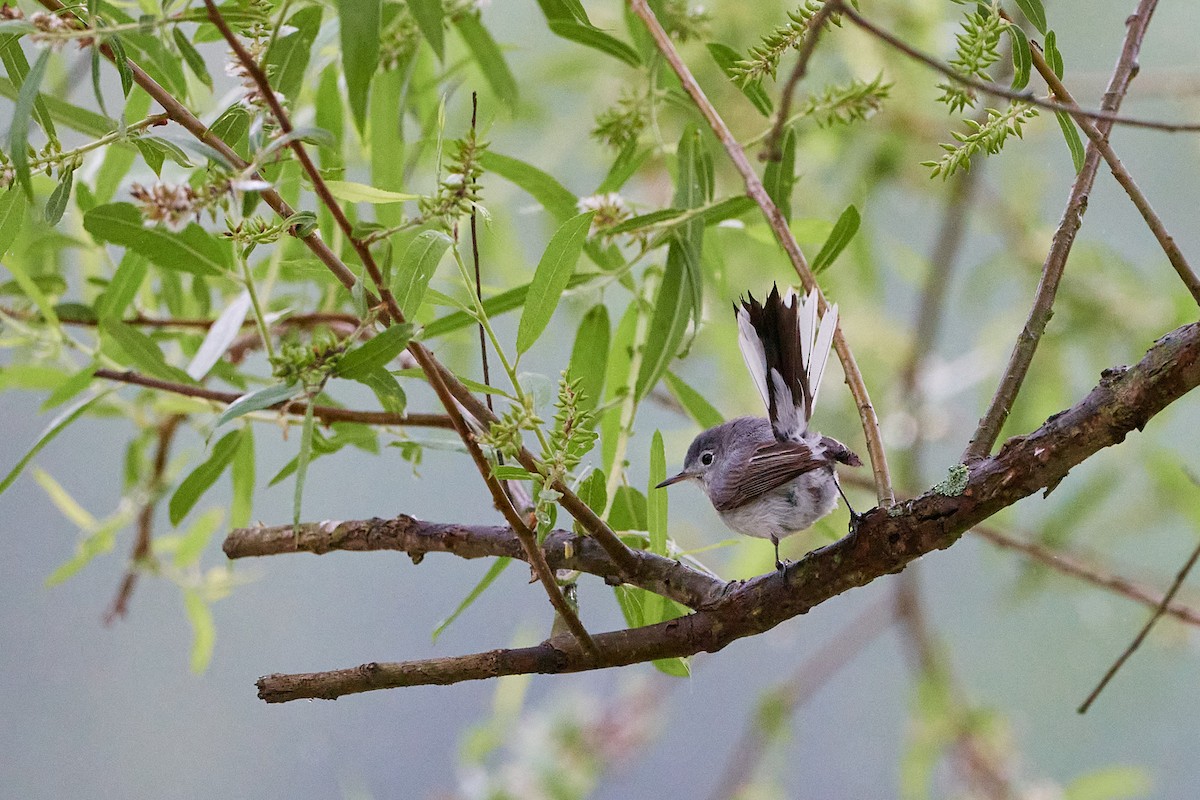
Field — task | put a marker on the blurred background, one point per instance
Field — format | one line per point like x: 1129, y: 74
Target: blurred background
x: 114, y: 711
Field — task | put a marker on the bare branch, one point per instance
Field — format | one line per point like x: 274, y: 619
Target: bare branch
x: 787, y: 240
x: 1060, y: 248
x: 1124, y: 401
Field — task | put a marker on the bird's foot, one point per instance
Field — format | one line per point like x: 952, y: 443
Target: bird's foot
x: 855, y: 520
x: 780, y: 565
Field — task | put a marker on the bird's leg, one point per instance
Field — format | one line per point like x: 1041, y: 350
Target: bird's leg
x: 778, y: 563
x: 855, y: 517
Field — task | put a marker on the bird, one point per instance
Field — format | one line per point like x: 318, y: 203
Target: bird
x: 773, y: 477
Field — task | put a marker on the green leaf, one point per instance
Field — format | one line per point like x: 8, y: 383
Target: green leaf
x: 204, y: 632
x: 57, y: 426
x: 56, y: 205
x: 288, y: 57
x: 386, y: 388
x: 376, y: 352
x: 121, y: 62
x: 623, y: 168
x: 493, y: 306
x: 29, y: 286
x: 352, y: 192
x: 123, y: 287
x: 70, y: 388
x: 489, y: 58
x: 17, y: 67
x: 593, y: 37
x: 242, y: 472
x: 628, y: 511
x: 192, y: 57
x: 1053, y: 56
x: 1110, y: 783
x: 726, y: 57
x: 201, y: 479
x: 675, y: 667
x: 779, y: 178
x: 190, y: 546
x: 302, y: 460
x: 507, y: 472
x: 668, y: 324
x: 142, y: 352
x: 488, y: 579
x: 656, y: 499
x: 589, y: 356
x: 1033, y: 11
x: 543, y: 187
x: 429, y: 15
x: 97, y: 543
x: 18, y: 132
x: 1022, y: 57
x: 1071, y: 135
x: 693, y: 402
x: 360, y: 25
x: 553, y: 272
x: 74, y: 117
x: 191, y: 250
x: 13, y: 205
x: 256, y: 401
x: 843, y: 231
x: 221, y: 333
x: 417, y: 266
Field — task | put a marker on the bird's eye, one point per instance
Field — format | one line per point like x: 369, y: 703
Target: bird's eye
x: 706, y: 458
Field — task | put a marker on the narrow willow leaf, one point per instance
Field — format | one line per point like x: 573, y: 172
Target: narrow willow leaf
x: 593, y: 37
x: 192, y: 57
x: 142, y: 351
x: 67, y: 505
x: 543, y: 187
x: 699, y: 409
x: 589, y: 356
x: 617, y: 383
x: 204, y: 631
x: 29, y: 286
x: 656, y: 499
x: 352, y: 192
x: 70, y: 388
x: 191, y: 250
x: 417, y: 266
x: 493, y: 306
x: 779, y: 178
x: 623, y: 168
x: 360, y: 26
x: 507, y: 472
x: 74, y: 117
x: 487, y: 55
x: 551, y: 278
x: 17, y: 67
x: 843, y: 231
x: 1071, y: 135
x: 242, y: 472
x: 190, y: 546
x: 123, y: 287
x: 57, y: 426
x: 257, y: 401
x: 13, y: 206
x: 94, y: 544
x: 1053, y: 56
x: 498, y: 566
x: 201, y: 479
x: 288, y: 56
x: 302, y: 459
x: 121, y: 62
x: 1022, y: 57
x: 668, y: 324
x: 375, y: 353
x: 221, y: 333
x: 726, y: 57
x: 675, y: 667
x: 429, y: 16
x: 56, y: 205
x: 1035, y: 13
x: 18, y: 132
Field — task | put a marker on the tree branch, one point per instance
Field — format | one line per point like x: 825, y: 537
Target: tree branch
x: 787, y: 240
x: 1124, y: 401
x: 1060, y: 248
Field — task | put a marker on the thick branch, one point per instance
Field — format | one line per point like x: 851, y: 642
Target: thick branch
x: 1060, y: 248
x: 887, y: 540
x: 562, y: 549
x: 787, y: 240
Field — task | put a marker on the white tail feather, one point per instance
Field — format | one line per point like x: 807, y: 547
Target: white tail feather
x: 818, y: 356
x: 753, y: 355
x: 788, y: 420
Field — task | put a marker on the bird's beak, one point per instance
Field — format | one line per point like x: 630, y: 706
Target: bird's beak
x: 683, y: 476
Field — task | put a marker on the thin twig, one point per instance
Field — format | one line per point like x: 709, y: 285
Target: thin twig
x: 327, y: 414
x: 779, y: 225
x: 1105, y: 114
x: 771, y: 148
x: 1100, y: 140
x: 1040, y: 312
x: 534, y: 554
x: 1145, y: 631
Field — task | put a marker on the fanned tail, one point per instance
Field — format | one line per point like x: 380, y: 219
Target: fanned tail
x: 786, y: 349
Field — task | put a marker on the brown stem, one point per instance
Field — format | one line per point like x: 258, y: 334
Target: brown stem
x: 812, y: 32
x: 528, y: 539
x: 779, y: 225
x: 1105, y: 114
x: 326, y: 414
x: 1100, y: 140
x: 1060, y: 248
x: 887, y: 540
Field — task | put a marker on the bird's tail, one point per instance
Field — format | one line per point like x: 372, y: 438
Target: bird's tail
x: 786, y: 350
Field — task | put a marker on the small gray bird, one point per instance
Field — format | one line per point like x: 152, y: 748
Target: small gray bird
x: 774, y: 477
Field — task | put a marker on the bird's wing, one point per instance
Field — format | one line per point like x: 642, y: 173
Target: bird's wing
x: 771, y: 466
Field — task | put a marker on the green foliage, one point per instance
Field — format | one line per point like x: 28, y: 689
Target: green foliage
x: 763, y: 59
x: 978, y: 49
x: 841, y: 105
x: 988, y: 137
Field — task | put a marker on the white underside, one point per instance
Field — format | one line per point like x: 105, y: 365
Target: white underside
x: 791, y: 508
